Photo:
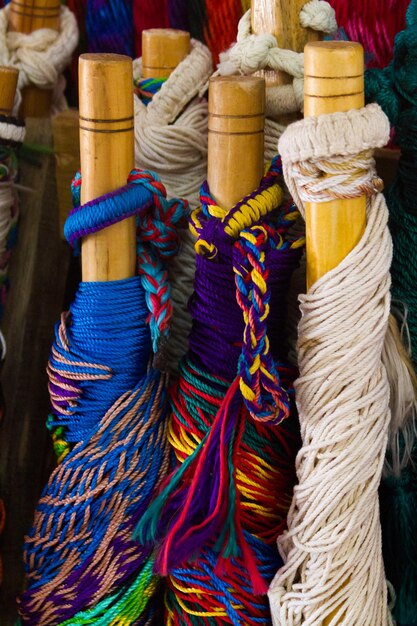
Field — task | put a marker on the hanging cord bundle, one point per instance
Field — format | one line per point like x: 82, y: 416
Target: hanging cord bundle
x: 333, y: 570
x: 394, y: 89
x: 217, y: 519
x: 109, y: 410
x: 40, y: 56
x: 171, y: 139
x: 252, y: 53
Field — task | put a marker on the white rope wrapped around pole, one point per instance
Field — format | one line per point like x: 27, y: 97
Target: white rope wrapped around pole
x: 333, y: 570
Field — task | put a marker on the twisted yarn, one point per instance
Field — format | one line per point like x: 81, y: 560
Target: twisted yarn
x: 218, y: 516
x: 110, y: 407
x: 41, y: 56
x: 171, y: 139
x: 332, y: 550
x: 252, y: 53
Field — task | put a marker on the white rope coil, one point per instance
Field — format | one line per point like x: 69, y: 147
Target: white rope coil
x: 171, y: 140
x: 332, y: 550
x: 42, y: 55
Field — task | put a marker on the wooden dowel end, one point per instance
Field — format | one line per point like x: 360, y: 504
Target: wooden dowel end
x: 107, y: 157
x: 25, y: 16
x: 8, y: 84
x: 235, y: 137
x: 333, y: 81
x: 162, y: 50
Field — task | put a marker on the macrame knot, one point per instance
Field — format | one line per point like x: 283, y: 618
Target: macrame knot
x: 331, y: 156
x: 157, y: 239
x: 252, y: 53
x: 319, y: 16
x: 323, y: 180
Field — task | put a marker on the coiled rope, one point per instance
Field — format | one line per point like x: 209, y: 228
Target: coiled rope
x: 394, y: 88
x: 40, y: 56
x: 217, y: 519
x: 252, y: 53
x: 332, y: 549
x: 171, y: 139
x: 109, y: 412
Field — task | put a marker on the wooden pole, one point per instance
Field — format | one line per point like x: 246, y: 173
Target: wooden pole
x: 235, y: 137
x: 107, y: 157
x: 162, y: 50
x: 8, y: 84
x: 333, y: 82
x: 281, y: 18
x: 25, y: 16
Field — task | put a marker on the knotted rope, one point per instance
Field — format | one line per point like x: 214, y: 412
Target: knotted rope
x: 109, y: 410
x: 394, y: 88
x: 171, y: 139
x: 41, y: 56
x: 332, y: 550
x: 252, y: 53
x: 217, y: 519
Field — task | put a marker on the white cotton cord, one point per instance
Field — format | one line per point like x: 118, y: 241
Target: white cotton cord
x: 41, y: 56
x: 252, y: 53
x: 171, y: 140
x: 333, y: 567
x: 11, y: 131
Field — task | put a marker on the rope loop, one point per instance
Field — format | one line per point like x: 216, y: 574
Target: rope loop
x: 157, y: 220
x: 250, y: 210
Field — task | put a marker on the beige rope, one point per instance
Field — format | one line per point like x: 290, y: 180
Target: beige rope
x: 332, y: 549
x: 41, y: 56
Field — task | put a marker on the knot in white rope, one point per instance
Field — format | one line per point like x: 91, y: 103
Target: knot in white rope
x: 319, y: 16
x: 171, y: 139
x: 332, y: 550
x: 40, y: 56
x: 252, y: 53
x: 331, y: 156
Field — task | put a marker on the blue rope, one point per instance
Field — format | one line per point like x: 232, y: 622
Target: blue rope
x: 108, y: 326
x: 110, y: 408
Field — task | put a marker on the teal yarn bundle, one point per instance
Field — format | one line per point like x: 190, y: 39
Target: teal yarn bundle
x: 109, y: 420
x: 395, y: 89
